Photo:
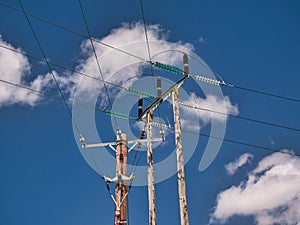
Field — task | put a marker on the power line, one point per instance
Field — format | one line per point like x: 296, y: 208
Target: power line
x: 70, y: 30
x: 128, y: 53
x: 96, y: 57
x: 131, y: 90
x: 166, y: 127
x: 222, y: 82
x: 266, y: 93
x: 49, y: 67
x: 50, y: 95
x: 147, y: 40
x: 145, y: 29
x: 231, y: 141
x: 48, y: 64
x: 31, y: 89
x: 137, y: 92
x: 239, y: 117
x: 183, y: 104
x: 240, y: 143
x: 135, y: 160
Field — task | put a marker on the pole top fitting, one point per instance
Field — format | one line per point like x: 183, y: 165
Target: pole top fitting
x: 119, y: 132
x: 149, y: 117
x: 82, y: 140
x: 121, y: 137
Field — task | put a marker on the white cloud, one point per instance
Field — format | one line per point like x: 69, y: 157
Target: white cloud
x: 211, y: 103
x: 110, y: 62
x: 17, y: 65
x: 232, y: 167
x: 15, y: 68
x: 190, y: 124
x: 271, y: 193
x: 129, y: 37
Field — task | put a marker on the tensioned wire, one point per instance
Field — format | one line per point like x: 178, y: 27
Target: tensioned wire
x: 58, y: 87
x: 128, y: 53
x: 71, y: 70
x: 63, y: 98
x: 50, y: 69
x: 193, y: 106
x: 97, y: 61
x: 231, y: 85
x: 148, y: 94
x: 70, y: 30
x: 167, y: 127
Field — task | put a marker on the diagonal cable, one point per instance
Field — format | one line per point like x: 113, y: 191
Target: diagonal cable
x: 147, y: 40
x: 96, y: 57
x: 239, y: 117
x: 50, y: 69
x: 79, y: 73
x: 137, y: 92
x: 70, y: 30
x: 145, y: 29
x: 167, y: 127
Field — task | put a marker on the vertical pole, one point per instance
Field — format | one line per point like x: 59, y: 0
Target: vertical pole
x: 179, y: 153
x: 159, y: 90
x: 140, y: 106
x: 121, y: 188
x: 151, y: 189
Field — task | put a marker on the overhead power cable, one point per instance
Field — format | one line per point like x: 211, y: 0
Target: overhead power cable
x: 239, y: 117
x: 49, y: 67
x: 97, y: 60
x: 50, y: 95
x: 123, y: 116
x: 278, y: 96
x: 147, y: 40
x: 70, y: 30
x: 128, y: 89
x: 225, y: 139
x: 172, y: 69
x: 31, y: 89
x: 145, y: 94
x: 241, y: 143
x: 159, y: 125
x: 128, y: 53
x: 266, y: 93
x: 217, y: 82
x: 145, y: 29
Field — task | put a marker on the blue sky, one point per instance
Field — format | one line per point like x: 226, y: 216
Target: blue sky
x: 253, y: 44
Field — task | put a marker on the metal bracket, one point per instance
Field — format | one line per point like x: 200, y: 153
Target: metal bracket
x: 111, y: 144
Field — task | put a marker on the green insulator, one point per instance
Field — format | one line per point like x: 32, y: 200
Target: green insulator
x: 167, y: 68
x: 138, y: 93
x: 115, y: 114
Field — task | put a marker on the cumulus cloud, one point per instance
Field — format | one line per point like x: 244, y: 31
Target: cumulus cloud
x: 116, y: 68
x: 232, y: 167
x: 15, y: 68
x: 271, y: 193
x: 190, y: 124
x: 129, y: 37
x: 209, y: 104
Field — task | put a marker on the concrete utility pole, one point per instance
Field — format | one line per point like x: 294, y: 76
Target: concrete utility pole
x: 184, y: 218
x: 151, y: 189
